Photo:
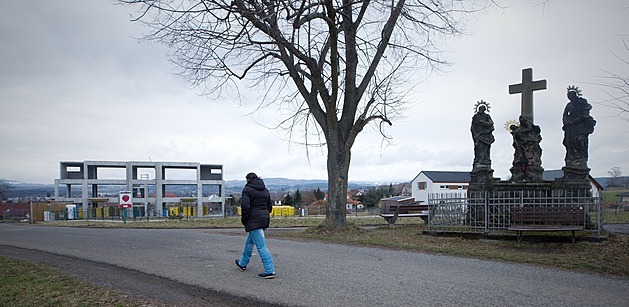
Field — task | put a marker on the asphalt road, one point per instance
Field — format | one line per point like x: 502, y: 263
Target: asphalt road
x: 308, y: 274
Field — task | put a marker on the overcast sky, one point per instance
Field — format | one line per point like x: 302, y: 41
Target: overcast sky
x: 75, y: 85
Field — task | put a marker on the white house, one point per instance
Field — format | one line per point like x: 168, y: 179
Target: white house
x: 456, y: 183
x: 442, y: 182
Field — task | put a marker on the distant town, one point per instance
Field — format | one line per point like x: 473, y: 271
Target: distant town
x: 23, y: 190
x: 11, y: 190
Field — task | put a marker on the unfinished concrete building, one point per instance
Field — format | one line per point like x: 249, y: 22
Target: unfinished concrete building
x: 156, y: 187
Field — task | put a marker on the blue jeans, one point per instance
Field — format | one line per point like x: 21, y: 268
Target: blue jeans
x: 257, y: 237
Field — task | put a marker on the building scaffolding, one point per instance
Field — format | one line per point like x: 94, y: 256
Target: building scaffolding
x: 87, y: 184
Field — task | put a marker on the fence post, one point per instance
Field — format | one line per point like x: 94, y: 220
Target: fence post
x: 486, y: 211
x: 599, y: 213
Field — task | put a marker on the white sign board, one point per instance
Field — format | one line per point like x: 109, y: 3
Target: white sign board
x: 125, y: 199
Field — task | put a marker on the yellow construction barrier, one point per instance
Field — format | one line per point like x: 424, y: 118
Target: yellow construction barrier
x: 173, y: 211
x: 184, y: 211
x: 283, y: 211
x: 277, y: 211
x: 189, y: 211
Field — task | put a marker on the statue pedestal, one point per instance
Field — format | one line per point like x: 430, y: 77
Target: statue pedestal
x: 527, y: 187
x: 481, y: 178
x: 574, y: 174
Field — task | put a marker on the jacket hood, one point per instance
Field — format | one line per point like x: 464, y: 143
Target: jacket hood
x: 257, y: 184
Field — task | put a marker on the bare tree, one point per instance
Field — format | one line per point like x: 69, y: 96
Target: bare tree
x: 336, y: 66
x: 615, y: 172
x: 616, y: 176
x: 617, y: 88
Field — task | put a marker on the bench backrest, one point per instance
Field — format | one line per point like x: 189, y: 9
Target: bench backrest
x: 573, y: 215
x: 414, y: 208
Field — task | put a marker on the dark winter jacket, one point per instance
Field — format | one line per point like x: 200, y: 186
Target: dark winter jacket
x: 256, y: 204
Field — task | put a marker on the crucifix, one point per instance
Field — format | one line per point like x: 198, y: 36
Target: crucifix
x: 526, y: 88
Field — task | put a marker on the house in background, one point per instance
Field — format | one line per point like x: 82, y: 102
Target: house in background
x: 439, y: 182
x: 624, y: 197
x: 353, y: 203
x: 454, y: 183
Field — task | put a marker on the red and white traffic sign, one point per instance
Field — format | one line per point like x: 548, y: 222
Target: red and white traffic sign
x: 125, y: 199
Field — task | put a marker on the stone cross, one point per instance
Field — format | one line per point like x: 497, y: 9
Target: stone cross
x: 526, y: 88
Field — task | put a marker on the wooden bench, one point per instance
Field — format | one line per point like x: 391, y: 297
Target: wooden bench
x: 529, y: 218
x: 393, y: 211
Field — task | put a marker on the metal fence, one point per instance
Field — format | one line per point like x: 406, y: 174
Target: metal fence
x: 106, y: 213
x: 15, y: 214
x: 56, y: 211
x: 490, y: 212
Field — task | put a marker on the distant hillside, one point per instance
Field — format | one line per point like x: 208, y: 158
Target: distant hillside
x: 291, y: 185
x: 13, y: 189
x: 275, y: 185
x: 609, y: 182
x: 22, y: 189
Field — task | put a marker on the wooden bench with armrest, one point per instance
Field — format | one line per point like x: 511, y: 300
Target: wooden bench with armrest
x: 537, y: 218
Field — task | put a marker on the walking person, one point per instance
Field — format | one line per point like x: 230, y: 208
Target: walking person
x: 256, y: 207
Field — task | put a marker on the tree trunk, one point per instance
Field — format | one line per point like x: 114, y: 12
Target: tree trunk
x: 338, y: 168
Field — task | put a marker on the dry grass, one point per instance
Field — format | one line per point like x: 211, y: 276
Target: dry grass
x: 616, y: 217
x: 609, y: 256
x: 226, y: 222
x: 28, y: 284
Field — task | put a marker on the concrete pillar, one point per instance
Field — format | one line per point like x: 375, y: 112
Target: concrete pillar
x: 159, y: 182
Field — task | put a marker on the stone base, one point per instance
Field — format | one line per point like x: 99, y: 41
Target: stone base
x: 574, y: 174
x: 574, y: 180
x: 504, y: 186
x: 545, y: 189
x: 481, y: 179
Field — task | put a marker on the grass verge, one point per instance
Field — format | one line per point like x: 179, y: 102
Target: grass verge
x: 228, y: 222
x: 610, y: 256
x: 616, y: 217
x: 28, y: 284
x: 609, y: 217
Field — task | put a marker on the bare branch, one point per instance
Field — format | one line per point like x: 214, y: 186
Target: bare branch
x: 616, y: 87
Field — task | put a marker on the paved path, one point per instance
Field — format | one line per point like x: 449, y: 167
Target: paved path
x: 317, y: 274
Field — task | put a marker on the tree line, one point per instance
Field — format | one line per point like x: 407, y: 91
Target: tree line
x: 370, y: 198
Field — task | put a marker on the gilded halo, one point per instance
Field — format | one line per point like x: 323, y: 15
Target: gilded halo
x: 511, y: 122
x: 481, y: 103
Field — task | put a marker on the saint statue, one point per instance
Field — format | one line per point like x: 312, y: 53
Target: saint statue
x: 577, y: 126
x: 527, y: 159
x: 482, y: 134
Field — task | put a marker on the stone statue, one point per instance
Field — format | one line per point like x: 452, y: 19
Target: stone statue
x: 577, y: 126
x: 527, y: 159
x: 482, y: 134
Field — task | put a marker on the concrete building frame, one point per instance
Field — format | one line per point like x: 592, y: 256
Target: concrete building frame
x: 85, y: 175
